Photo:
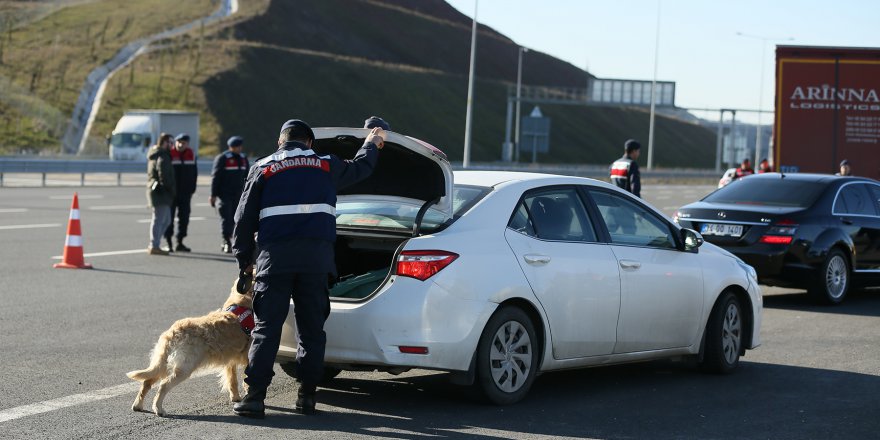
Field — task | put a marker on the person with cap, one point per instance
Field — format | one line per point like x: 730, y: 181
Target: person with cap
x: 289, y: 203
x: 375, y: 121
x: 745, y: 169
x: 160, y: 190
x: 227, y: 182
x: 845, y: 169
x: 625, y: 171
x: 186, y: 173
x: 764, y: 166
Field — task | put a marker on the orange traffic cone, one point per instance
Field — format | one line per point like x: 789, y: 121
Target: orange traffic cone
x: 73, y: 250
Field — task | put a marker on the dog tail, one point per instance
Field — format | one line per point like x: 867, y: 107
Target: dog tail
x: 158, y: 363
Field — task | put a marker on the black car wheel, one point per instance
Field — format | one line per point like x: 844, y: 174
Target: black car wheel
x: 833, y: 279
x: 291, y: 367
x: 507, y: 356
x: 724, y: 336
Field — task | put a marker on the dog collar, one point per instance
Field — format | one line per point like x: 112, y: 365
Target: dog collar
x: 245, y: 317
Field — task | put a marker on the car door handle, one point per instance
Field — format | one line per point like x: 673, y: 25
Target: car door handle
x: 846, y: 221
x: 536, y: 259
x: 630, y: 264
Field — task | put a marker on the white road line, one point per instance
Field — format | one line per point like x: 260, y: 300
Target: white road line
x: 112, y: 207
x: 75, y: 400
x: 192, y: 219
x: 81, y: 197
x: 9, y: 210
x: 105, y: 254
x: 44, y: 225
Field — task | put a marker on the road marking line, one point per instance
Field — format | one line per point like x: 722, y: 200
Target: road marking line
x: 8, y: 210
x: 105, y: 254
x: 44, y: 225
x: 76, y: 399
x: 111, y: 207
x: 192, y: 219
x: 81, y: 197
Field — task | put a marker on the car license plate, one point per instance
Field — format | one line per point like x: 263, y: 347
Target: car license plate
x: 721, y: 229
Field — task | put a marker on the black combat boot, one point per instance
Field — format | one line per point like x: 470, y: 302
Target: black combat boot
x: 251, y: 405
x: 181, y: 247
x: 305, y: 400
x: 169, y: 248
x: 226, y: 247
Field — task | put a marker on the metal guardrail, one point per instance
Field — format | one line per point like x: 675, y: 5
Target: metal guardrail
x: 81, y: 167
x: 10, y: 165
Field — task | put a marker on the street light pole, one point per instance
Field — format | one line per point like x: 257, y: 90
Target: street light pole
x: 518, y: 95
x: 764, y: 41
x: 654, y: 92
x: 466, y: 161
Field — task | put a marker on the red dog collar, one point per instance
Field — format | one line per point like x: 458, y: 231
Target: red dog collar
x: 245, y: 317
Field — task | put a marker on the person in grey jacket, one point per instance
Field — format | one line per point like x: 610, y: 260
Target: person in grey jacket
x: 160, y: 190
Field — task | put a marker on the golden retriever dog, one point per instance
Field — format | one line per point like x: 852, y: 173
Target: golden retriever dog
x: 216, y: 340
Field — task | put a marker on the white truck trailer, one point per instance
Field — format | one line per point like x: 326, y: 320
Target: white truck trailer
x: 137, y: 130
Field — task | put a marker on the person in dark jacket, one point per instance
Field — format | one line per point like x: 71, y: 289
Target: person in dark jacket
x: 160, y: 190
x: 227, y: 181
x: 625, y: 171
x: 186, y: 173
x: 745, y: 169
x: 289, y: 202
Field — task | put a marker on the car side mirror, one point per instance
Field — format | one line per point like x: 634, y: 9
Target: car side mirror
x: 691, y: 240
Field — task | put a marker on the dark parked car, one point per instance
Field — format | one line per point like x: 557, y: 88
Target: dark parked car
x: 818, y: 232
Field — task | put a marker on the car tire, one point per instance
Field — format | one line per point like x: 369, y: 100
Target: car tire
x: 833, y: 278
x: 723, y: 336
x: 329, y: 372
x: 507, y: 357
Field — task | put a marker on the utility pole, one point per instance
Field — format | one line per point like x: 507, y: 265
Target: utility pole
x: 654, y: 92
x: 470, y: 96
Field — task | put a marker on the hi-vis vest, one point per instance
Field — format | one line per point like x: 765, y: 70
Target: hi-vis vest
x: 620, y: 173
x: 298, y: 198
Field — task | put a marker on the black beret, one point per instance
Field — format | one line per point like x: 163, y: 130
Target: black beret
x: 299, y: 129
x: 235, y: 141
x: 631, y: 145
x: 183, y: 137
x: 375, y: 121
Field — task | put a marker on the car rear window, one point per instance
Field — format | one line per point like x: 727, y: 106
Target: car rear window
x: 386, y: 215
x: 770, y: 192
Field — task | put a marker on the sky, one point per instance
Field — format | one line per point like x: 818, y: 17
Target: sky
x: 699, y: 47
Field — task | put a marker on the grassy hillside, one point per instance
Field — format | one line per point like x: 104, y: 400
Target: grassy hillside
x: 44, y: 63
x: 334, y: 62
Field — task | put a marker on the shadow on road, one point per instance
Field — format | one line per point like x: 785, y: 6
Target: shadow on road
x: 858, y: 302
x: 130, y: 272
x: 654, y: 400
x: 203, y: 256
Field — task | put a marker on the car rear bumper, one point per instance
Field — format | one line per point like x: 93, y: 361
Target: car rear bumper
x: 775, y: 264
x: 405, y: 312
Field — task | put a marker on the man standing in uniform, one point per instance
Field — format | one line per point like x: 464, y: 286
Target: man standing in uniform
x: 764, y: 166
x: 625, y: 171
x: 185, y: 175
x: 289, y: 201
x: 745, y: 169
x: 227, y: 181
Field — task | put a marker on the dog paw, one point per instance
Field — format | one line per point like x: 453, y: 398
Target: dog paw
x: 136, y: 408
x: 159, y: 412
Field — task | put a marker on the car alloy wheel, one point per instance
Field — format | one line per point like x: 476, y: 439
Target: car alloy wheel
x: 835, y: 277
x: 832, y: 280
x: 507, y: 356
x: 723, y: 337
x: 731, y: 333
x: 510, y: 357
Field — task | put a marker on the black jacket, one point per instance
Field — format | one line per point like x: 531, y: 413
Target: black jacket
x: 625, y: 174
x: 228, y: 175
x: 186, y: 171
x: 290, y: 201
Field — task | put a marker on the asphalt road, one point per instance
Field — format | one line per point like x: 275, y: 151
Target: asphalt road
x: 69, y: 336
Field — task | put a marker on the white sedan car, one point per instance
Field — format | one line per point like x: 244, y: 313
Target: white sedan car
x: 501, y: 276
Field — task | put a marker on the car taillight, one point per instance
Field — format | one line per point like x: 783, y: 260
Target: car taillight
x: 422, y: 265
x: 776, y: 239
x: 780, y: 233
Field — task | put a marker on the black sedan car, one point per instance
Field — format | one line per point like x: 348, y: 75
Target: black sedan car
x: 812, y: 231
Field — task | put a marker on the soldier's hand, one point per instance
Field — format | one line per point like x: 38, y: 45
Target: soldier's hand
x: 377, y: 136
x: 213, y: 201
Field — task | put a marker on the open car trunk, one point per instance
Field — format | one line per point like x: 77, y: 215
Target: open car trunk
x: 412, y: 179
x: 363, y: 264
